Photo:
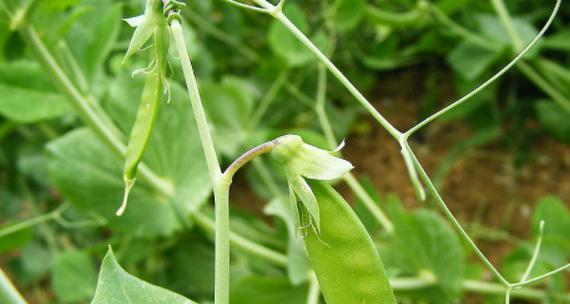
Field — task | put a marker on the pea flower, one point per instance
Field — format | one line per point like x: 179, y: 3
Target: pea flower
x: 301, y: 161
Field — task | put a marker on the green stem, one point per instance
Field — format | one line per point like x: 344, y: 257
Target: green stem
x: 460, y: 30
x: 8, y: 292
x: 27, y: 223
x: 491, y: 80
x: 507, y: 22
x: 526, y: 69
x: 349, y: 178
x: 546, y: 87
x: 453, y: 220
x: 220, y: 184
x: 277, y: 13
x: 498, y: 289
x: 314, y: 294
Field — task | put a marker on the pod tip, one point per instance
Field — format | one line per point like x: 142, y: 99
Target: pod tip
x: 129, y: 183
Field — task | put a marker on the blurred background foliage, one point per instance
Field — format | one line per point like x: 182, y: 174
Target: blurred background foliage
x: 410, y: 57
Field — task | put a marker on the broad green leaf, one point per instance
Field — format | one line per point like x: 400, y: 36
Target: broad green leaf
x: 73, y: 277
x: 36, y: 260
x: 470, y: 60
x: 92, y: 36
x: 264, y: 290
x: 553, y: 211
x: 229, y: 105
x: 27, y: 95
x: 89, y: 175
x: 191, y: 267
x: 116, y: 286
x: 554, y: 118
x: 423, y: 241
x: 346, y: 14
x: 284, y: 44
x: 492, y: 28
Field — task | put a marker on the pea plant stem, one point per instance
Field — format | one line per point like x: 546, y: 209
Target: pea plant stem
x: 491, y: 80
x: 8, y: 292
x: 314, y: 293
x: 27, y: 223
x: 276, y: 12
x: 507, y: 22
x: 220, y: 183
x: 523, y: 66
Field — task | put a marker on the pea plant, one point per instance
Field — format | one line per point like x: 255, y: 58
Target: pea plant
x: 171, y: 164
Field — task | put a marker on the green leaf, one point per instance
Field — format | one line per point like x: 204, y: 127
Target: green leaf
x: 92, y: 36
x: 555, y: 120
x: 285, y: 44
x: 15, y: 240
x: 492, y: 28
x: 470, y: 60
x: 116, y: 286
x: 229, y: 105
x: 264, y: 290
x: 346, y: 14
x: 89, y: 174
x: 27, y: 95
x: 423, y: 241
x: 73, y: 277
x: 553, y: 211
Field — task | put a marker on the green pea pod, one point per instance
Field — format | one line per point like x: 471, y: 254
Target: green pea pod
x: 153, y: 26
x: 347, y: 265
x: 141, y: 132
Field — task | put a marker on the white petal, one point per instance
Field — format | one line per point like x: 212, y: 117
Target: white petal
x: 135, y: 21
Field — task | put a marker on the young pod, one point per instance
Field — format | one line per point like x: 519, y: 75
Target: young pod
x: 345, y: 260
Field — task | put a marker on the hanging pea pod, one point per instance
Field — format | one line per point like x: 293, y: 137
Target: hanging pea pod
x: 152, y: 25
x: 347, y: 265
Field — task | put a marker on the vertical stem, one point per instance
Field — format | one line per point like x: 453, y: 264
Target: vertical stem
x: 314, y: 294
x: 220, y: 185
x: 8, y: 292
x: 197, y: 106
x: 505, y: 18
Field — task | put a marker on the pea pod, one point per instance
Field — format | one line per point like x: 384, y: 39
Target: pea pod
x: 154, y: 24
x: 347, y: 265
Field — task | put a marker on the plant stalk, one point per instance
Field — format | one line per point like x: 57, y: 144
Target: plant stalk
x: 220, y: 184
x: 8, y: 292
x: 277, y: 13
